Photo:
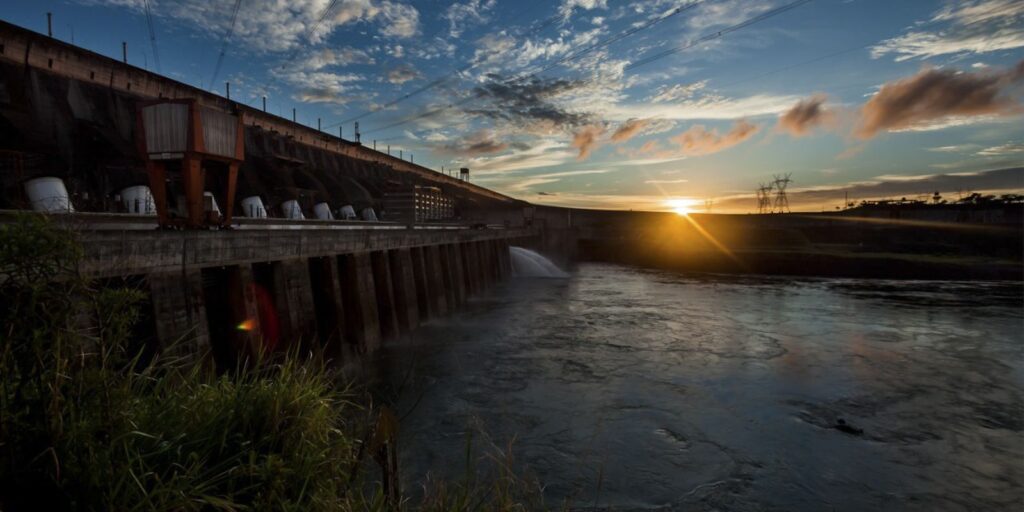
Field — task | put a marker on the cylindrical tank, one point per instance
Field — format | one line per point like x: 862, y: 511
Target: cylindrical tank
x: 292, y: 210
x: 48, y: 194
x: 369, y: 214
x: 348, y: 212
x: 252, y: 207
x: 323, y: 211
x: 210, y: 203
x: 138, y: 200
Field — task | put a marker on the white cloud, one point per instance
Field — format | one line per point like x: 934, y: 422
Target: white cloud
x: 568, y: 6
x: 979, y: 26
x: 276, y: 25
x: 956, y: 148
x: 545, y: 153
x: 706, y: 108
x: 927, y: 44
x: 677, y: 92
x: 1003, y: 150
x: 402, y: 74
x: 462, y: 14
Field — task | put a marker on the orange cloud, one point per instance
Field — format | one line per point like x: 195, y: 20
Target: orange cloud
x: 805, y: 116
x: 629, y: 129
x: 933, y: 94
x: 701, y: 141
x: 586, y: 140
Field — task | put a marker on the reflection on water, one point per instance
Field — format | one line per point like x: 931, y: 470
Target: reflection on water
x: 724, y: 393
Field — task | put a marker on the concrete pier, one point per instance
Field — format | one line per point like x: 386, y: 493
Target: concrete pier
x: 403, y: 283
x: 325, y: 284
x: 360, y: 296
x: 386, y: 309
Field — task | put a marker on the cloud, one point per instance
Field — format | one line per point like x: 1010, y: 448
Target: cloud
x: 399, y: 20
x: 979, y: 26
x: 543, y: 179
x: 1003, y: 150
x: 462, y: 14
x: 543, y: 153
x: 339, y: 57
x: 568, y: 6
x: 528, y: 102
x: 700, y: 141
x: 586, y: 140
x: 706, y: 107
x: 629, y: 129
x: 482, y: 142
x: 320, y: 86
x: 402, y: 74
x: 805, y: 116
x: 274, y: 25
x: 956, y: 148
x: 932, y: 95
x: 665, y: 182
x: 677, y: 92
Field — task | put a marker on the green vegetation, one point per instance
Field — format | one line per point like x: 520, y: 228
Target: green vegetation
x: 87, y: 424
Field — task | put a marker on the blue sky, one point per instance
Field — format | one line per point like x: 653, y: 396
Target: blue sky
x: 620, y: 104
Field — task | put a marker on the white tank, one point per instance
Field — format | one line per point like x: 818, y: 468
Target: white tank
x: 323, y: 211
x: 138, y: 200
x: 369, y: 214
x: 252, y: 207
x: 292, y: 210
x: 348, y: 212
x: 48, y: 194
x: 210, y: 205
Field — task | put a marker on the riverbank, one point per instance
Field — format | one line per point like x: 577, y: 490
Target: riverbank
x: 810, y: 261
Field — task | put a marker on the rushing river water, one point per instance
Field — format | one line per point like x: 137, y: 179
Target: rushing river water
x: 637, y: 389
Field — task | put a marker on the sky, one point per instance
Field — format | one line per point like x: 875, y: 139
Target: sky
x: 624, y: 104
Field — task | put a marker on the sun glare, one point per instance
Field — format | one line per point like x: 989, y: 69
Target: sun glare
x: 681, y: 206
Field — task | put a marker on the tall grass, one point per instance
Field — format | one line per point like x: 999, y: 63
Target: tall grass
x: 86, y: 424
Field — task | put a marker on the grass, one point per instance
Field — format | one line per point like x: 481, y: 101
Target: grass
x: 87, y: 424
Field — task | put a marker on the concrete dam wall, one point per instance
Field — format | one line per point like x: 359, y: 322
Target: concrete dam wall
x: 282, y: 273
x: 344, y: 291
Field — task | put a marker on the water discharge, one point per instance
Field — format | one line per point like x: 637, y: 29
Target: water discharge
x: 644, y: 390
x: 527, y: 263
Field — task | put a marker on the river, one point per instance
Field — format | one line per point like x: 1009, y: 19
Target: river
x: 644, y: 390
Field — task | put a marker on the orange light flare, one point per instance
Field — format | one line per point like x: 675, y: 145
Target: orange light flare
x: 681, y: 206
x: 684, y: 207
x: 246, y: 325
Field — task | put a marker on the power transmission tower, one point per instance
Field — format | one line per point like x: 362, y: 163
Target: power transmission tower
x: 764, y: 200
x: 781, y: 201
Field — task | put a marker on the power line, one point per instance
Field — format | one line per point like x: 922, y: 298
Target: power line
x: 152, y: 35
x: 440, y: 81
x: 618, y: 37
x: 224, y: 44
x: 714, y: 35
x: 847, y: 50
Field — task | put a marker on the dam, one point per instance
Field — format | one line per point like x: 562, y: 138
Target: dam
x: 240, y: 227
x: 245, y: 228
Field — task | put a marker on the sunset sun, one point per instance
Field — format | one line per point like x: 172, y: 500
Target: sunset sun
x: 681, y: 206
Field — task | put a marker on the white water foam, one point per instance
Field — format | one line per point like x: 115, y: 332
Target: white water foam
x: 527, y: 263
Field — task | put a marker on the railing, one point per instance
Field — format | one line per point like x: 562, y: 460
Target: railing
x: 94, y: 221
